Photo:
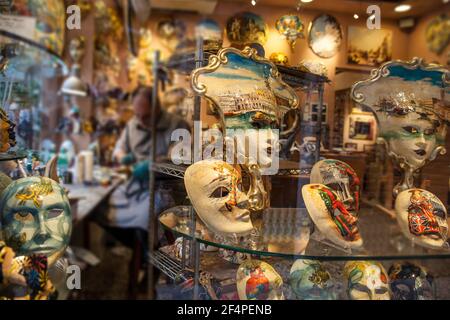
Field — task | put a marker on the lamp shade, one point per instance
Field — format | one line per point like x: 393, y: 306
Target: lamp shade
x: 73, y: 85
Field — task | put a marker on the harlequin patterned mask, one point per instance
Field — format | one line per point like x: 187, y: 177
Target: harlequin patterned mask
x: 215, y: 190
x: 342, y: 179
x: 291, y: 28
x: 331, y: 217
x: 410, y: 282
x: 367, y: 281
x: 257, y: 280
x: 311, y: 281
x: 36, y: 217
x: 422, y: 217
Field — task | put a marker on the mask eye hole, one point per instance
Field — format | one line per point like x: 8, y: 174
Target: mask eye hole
x: 411, y: 129
x: 23, y: 216
x: 439, y: 213
x: 54, y: 213
x: 220, y: 192
x: 381, y: 290
x: 429, y: 132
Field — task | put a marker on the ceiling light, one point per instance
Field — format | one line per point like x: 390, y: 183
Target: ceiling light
x: 306, y: 1
x: 372, y: 17
x: 402, y: 8
x: 253, y: 2
x: 355, y: 16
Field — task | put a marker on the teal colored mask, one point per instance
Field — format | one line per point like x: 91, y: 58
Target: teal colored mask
x: 36, y: 217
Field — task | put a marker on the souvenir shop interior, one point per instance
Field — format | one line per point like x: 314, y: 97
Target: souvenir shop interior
x: 224, y: 150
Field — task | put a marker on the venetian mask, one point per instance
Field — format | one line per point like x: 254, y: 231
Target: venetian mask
x: 342, y: 179
x: 311, y: 281
x: 410, y: 282
x: 291, y: 28
x: 66, y: 153
x: 367, y: 281
x: 251, y: 99
x: 48, y: 150
x: 410, y: 103
x: 77, y: 48
x: 331, y: 217
x: 422, y: 217
x: 7, y: 134
x: 412, y: 133
x: 36, y: 217
x: 257, y: 280
x: 215, y: 190
x: 279, y: 58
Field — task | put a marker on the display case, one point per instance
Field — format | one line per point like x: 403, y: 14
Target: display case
x: 314, y: 237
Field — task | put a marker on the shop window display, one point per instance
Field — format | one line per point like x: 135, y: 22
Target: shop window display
x: 280, y: 193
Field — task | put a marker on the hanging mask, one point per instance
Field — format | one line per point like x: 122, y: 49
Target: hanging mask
x: 7, y: 134
x: 66, y: 153
x: 331, y: 217
x: 257, y: 280
x: 48, y: 150
x: 342, y: 179
x: 411, y: 282
x: 36, y: 217
x: 311, y: 281
x: 215, y: 190
x: 422, y: 217
x: 367, y: 281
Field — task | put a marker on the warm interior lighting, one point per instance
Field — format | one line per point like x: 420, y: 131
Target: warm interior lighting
x: 253, y: 2
x: 355, y: 16
x: 402, y: 8
x: 306, y: 1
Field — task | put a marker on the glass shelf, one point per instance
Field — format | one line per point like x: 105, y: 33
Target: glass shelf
x: 284, y: 232
x: 287, y: 169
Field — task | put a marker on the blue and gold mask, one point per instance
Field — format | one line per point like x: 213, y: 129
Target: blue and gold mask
x: 36, y: 217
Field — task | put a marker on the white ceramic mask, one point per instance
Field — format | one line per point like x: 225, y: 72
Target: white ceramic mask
x: 422, y: 217
x: 36, y: 217
x: 342, y: 179
x: 215, y: 190
x: 257, y: 280
x: 311, y: 281
x: 367, y: 281
x: 331, y: 217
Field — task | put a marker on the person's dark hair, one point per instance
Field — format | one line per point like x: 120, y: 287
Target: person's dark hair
x: 147, y: 91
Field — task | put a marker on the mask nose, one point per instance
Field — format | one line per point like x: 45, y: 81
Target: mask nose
x: 43, y: 234
x: 421, y: 142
